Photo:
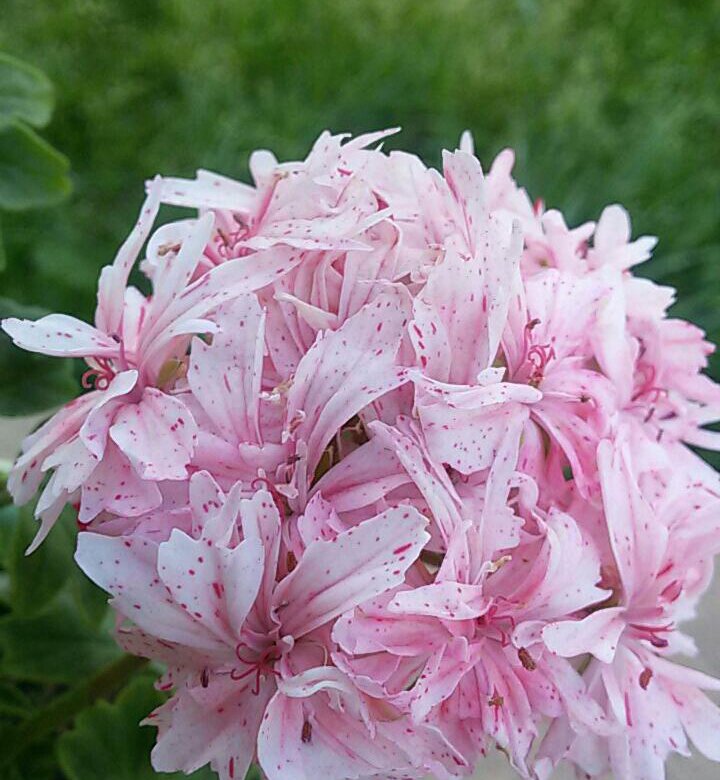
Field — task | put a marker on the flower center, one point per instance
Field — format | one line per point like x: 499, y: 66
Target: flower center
x: 498, y: 622
x: 103, y: 370
x: 535, y: 357
x: 652, y: 634
x: 647, y: 388
x: 262, y: 665
x: 539, y: 355
x: 98, y: 377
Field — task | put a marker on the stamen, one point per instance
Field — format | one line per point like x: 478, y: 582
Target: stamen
x: 537, y: 355
x: 261, y: 667
x: 306, y: 734
x: 648, y: 389
x: 98, y: 378
x: 526, y: 659
x: 650, y: 634
x: 497, y: 700
x: 227, y: 242
x: 527, y: 335
x: 645, y: 677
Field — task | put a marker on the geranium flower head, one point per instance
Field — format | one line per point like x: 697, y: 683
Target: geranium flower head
x: 392, y: 467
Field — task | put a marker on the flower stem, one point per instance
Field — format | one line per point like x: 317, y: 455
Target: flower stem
x: 61, y: 710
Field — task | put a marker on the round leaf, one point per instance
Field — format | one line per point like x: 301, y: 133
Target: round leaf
x: 32, y: 173
x: 26, y: 93
x: 55, y: 646
x: 107, y: 741
x: 36, y: 580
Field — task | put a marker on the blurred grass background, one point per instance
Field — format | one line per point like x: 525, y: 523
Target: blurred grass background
x: 603, y: 102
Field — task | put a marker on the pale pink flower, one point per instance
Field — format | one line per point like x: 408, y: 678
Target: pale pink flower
x: 471, y: 640
x: 244, y: 648
x: 612, y: 245
x: 393, y: 466
x: 260, y: 423
x: 661, y: 563
x: 133, y: 434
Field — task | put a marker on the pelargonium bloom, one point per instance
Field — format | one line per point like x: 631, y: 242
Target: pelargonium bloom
x: 393, y: 466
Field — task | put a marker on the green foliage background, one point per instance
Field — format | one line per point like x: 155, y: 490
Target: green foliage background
x: 603, y: 102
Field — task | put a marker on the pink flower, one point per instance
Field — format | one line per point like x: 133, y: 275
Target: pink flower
x: 661, y: 562
x: 611, y: 241
x: 261, y: 424
x: 472, y: 637
x: 393, y: 466
x: 243, y: 648
x: 133, y: 433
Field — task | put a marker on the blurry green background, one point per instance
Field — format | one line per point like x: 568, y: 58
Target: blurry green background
x: 603, y: 102
x: 613, y: 101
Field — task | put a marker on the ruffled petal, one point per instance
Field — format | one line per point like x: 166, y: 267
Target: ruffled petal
x: 335, y: 576
x: 157, y: 435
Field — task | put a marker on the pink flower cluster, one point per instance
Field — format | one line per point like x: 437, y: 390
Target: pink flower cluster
x: 392, y: 468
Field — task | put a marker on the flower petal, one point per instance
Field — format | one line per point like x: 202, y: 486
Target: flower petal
x: 335, y: 576
x: 115, y: 486
x: 598, y: 633
x: 127, y: 569
x: 446, y: 600
x: 158, y: 435
x: 216, y: 585
x: 343, y: 372
x: 114, y: 278
x: 94, y: 431
x: 221, y: 730
x: 60, y: 335
x: 225, y: 376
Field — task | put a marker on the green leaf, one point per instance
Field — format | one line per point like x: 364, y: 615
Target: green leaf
x: 8, y: 522
x: 32, y: 173
x: 26, y: 93
x: 55, y: 646
x: 37, y: 579
x: 91, y: 601
x: 108, y: 742
x: 13, y: 702
x: 30, y: 383
x: 3, y: 259
x: 36, y: 763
